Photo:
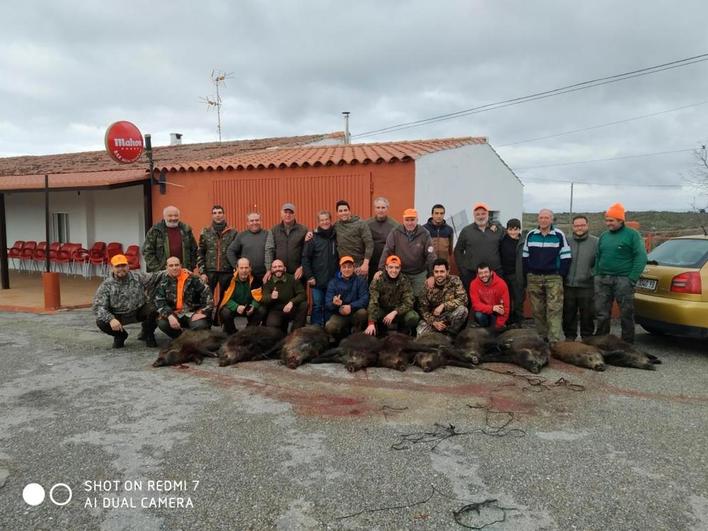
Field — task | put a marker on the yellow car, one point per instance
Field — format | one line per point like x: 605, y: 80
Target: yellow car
x: 671, y: 296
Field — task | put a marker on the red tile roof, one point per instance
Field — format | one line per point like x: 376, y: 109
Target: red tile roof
x: 95, y: 161
x: 96, y: 179
x: 305, y: 156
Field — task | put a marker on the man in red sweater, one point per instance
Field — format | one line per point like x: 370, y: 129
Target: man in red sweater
x: 490, y: 298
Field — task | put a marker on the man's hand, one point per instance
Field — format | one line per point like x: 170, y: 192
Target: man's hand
x: 377, y: 275
x: 204, y: 278
x: 174, y: 323
x: 309, y: 235
x: 250, y: 310
x: 370, y: 330
x: 298, y: 273
x: 345, y: 309
x: 439, y: 325
x: 311, y: 282
x: 198, y: 316
x: 429, y: 282
x: 288, y: 307
x: 115, y: 325
x: 266, y: 277
x: 337, y: 300
x: 390, y: 317
x: 240, y: 309
x: 363, y: 269
x: 498, y: 309
x: 438, y: 310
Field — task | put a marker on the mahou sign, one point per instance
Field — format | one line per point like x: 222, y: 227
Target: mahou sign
x: 124, y: 142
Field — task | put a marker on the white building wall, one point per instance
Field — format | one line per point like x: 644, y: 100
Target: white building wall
x: 458, y: 178
x: 101, y: 215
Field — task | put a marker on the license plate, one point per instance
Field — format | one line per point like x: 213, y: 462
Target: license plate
x: 647, y: 284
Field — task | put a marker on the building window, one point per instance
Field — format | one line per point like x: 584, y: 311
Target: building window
x: 60, y: 227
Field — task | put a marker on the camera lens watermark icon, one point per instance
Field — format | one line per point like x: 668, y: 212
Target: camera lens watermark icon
x: 34, y: 494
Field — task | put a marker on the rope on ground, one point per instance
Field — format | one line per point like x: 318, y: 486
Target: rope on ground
x: 538, y: 384
x: 457, y: 514
x: 501, y: 429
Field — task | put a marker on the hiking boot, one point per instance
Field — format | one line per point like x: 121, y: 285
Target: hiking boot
x: 150, y: 341
x: 119, y: 339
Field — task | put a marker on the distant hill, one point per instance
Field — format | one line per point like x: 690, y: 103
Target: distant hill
x: 662, y: 223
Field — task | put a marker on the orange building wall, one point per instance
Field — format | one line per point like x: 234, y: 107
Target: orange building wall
x: 310, y: 189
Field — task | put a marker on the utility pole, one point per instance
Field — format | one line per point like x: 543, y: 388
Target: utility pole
x: 570, y: 219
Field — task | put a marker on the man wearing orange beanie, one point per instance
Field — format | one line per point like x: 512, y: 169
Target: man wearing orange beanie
x: 620, y: 260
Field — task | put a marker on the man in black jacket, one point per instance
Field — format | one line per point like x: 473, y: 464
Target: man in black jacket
x: 319, y: 262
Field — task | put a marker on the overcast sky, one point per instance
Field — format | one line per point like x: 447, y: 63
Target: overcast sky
x: 68, y: 69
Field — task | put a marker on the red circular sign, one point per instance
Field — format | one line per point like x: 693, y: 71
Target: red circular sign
x: 124, y: 142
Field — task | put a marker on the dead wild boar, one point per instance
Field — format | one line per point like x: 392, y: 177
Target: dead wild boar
x: 253, y: 342
x: 190, y: 345
x: 578, y: 354
x: 302, y: 345
x: 622, y: 354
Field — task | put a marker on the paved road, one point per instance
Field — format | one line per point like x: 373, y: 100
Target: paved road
x: 261, y: 446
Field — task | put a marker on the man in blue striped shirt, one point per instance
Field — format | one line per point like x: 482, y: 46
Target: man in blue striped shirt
x: 546, y: 260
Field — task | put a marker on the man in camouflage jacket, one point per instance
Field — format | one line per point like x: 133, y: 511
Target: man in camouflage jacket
x: 183, y: 301
x: 169, y: 237
x: 391, y: 301
x: 123, y: 298
x: 443, y: 306
x: 212, y: 259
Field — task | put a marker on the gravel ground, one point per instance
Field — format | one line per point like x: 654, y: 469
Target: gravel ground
x: 261, y: 446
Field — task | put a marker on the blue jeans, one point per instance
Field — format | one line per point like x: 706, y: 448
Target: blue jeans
x: 485, y: 319
x: 318, y: 307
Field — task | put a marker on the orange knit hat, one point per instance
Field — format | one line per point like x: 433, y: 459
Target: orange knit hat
x: 615, y: 211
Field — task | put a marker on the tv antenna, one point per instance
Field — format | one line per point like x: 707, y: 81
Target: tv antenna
x: 218, y: 78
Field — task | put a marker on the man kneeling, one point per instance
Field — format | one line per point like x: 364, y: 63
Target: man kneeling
x: 122, y: 299
x: 346, y: 300
x: 391, y: 301
x: 183, y: 301
x: 443, y: 306
x: 490, y: 298
x: 284, y: 299
x: 241, y: 298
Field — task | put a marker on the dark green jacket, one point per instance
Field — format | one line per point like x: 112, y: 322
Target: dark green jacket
x: 197, y: 296
x: 582, y: 260
x: 289, y: 290
x: 354, y: 239
x: 157, y: 247
x: 212, y: 256
x: 286, y: 245
x: 621, y: 253
x: 387, y: 294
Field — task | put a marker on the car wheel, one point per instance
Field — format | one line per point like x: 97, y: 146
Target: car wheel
x: 653, y: 331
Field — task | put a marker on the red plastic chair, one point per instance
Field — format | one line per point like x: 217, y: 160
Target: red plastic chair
x: 27, y: 253
x: 39, y: 255
x: 132, y: 253
x: 14, y: 252
x: 97, y: 257
x: 113, y: 249
x: 62, y: 259
x: 79, y: 260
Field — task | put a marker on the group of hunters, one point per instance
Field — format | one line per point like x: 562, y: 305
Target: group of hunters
x: 376, y: 275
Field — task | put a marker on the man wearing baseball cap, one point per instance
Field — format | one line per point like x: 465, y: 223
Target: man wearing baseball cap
x: 621, y: 258
x: 478, y: 243
x: 346, y: 300
x: 286, y: 242
x: 391, y: 301
x: 122, y: 299
x: 414, y: 246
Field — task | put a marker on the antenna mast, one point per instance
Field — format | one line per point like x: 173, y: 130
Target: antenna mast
x: 217, y: 78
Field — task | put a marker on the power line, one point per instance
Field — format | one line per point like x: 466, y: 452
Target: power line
x: 657, y: 153
x: 541, y: 95
x: 614, y: 184
x: 599, y: 126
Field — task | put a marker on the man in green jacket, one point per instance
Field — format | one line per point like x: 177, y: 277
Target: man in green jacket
x: 391, y: 301
x: 169, y: 237
x: 212, y: 259
x: 621, y: 257
x: 284, y: 298
x: 353, y: 238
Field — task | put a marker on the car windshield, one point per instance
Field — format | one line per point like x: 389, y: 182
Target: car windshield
x: 681, y: 253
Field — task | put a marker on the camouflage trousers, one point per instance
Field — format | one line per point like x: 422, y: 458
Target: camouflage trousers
x: 545, y: 293
x: 454, y: 320
x: 607, y: 290
x: 340, y: 326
